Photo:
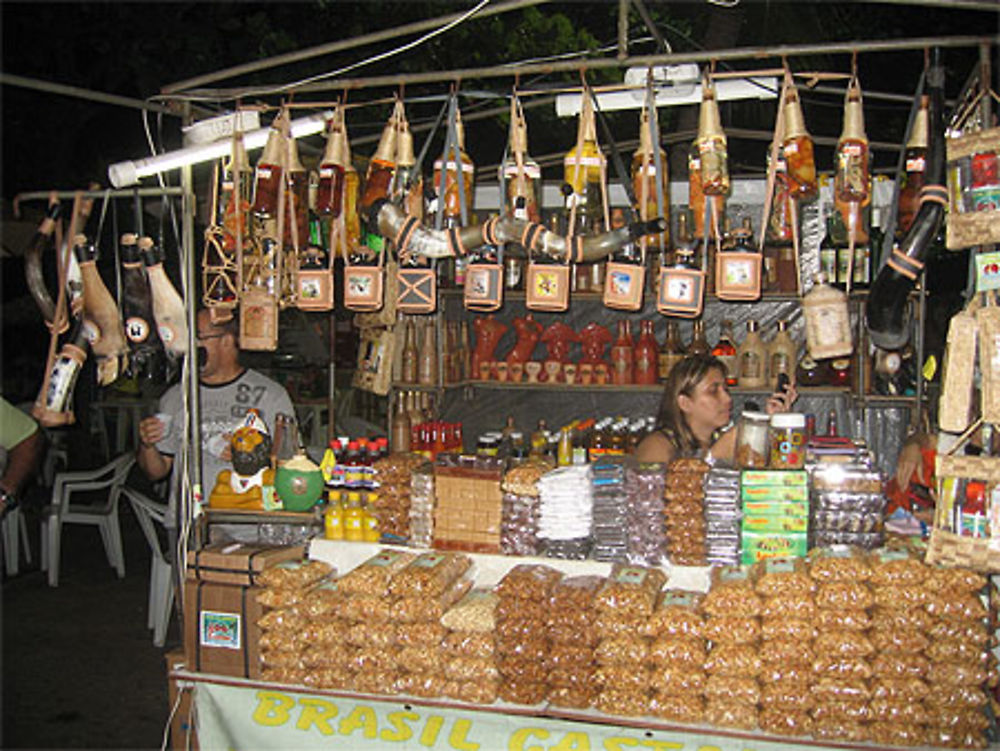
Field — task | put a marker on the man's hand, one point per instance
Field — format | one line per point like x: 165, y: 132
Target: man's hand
x: 151, y: 431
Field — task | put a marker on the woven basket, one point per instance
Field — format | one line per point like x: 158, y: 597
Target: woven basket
x: 979, y: 227
x: 949, y: 549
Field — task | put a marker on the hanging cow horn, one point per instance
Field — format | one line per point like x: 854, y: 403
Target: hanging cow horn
x: 887, y: 312
x: 40, y: 241
x: 431, y: 243
x: 137, y: 308
x: 98, y: 304
x: 168, y: 307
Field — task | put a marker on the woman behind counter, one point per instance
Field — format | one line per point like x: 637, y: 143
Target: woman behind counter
x: 696, y: 406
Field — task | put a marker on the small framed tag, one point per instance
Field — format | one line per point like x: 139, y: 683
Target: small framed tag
x: 737, y: 275
x: 682, y: 292
x: 315, y: 289
x: 483, y: 287
x: 416, y: 290
x: 547, y: 286
x: 363, y: 287
x: 623, y: 285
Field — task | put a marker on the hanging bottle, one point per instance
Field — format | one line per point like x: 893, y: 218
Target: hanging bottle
x: 711, y: 144
x: 234, y: 191
x: 450, y: 195
x: 378, y: 178
x: 297, y: 208
x: 851, y: 175
x: 752, y: 359
x: 520, y: 172
x: 646, y: 356
x: 698, y: 344
x: 352, y: 192
x: 672, y: 351
x: 267, y: 175
x: 781, y: 355
x: 645, y: 179
x: 622, y: 355
x: 582, y: 173
x: 407, y: 185
x: 330, y: 192
x: 797, y: 147
x: 725, y: 351
x: 916, y: 167
x: 828, y: 322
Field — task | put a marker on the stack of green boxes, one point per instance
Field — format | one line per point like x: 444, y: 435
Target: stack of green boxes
x: 775, y: 513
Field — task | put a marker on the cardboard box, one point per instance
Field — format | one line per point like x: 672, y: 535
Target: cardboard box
x: 774, y: 493
x: 221, y: 634
x: 774, y: 523
x: 182, y: 722
x: 237, y: 563
x: 777, y: 508
x: 784, y: 477
x: 760, y: 545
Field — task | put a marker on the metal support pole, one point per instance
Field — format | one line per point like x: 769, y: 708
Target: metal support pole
x: 623, y: 29
x: 188, y: 265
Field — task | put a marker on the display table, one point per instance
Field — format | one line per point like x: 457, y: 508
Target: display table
x: 234, y: 713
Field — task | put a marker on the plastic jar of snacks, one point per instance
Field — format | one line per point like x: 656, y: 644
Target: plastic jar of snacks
x: 788, y: 441
x: 751, y: 440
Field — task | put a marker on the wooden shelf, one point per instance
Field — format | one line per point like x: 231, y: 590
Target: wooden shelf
x: 804, y: 391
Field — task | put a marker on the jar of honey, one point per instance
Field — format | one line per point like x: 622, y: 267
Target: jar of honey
x: 788, y: 441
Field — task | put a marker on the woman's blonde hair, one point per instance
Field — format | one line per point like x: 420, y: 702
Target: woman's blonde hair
x: 683, y: 379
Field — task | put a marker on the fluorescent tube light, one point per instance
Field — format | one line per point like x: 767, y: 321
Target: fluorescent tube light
x: 682, y: 92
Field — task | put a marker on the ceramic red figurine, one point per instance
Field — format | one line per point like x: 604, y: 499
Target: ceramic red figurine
x: 528, y: 331
x: 594, y: 338
x: 489, y: 331
x: 557, y: 339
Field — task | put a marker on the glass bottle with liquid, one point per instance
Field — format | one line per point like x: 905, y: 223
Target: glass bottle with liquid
x: 582, y: 167
x: 672, y: 351
x: 330, y: 191
x: 712, y: 146
x: 797, y: 148
x: 268, y: 173
x: 297, y: 208
x: 450, y: 198
x: 725, y: 351
x: 646, y: 181
x: 520, y: 172
x: 698, y: 344
x: 781, y: 355
x: 916, y: 166
x: 382, y: 165
x: 828, y: 252
x: 851, y: 168
x: 752, y: 359
x: 646, y: 355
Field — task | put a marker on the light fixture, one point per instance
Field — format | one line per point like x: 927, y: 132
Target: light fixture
x: 672, y: 85
x: 123, y: 174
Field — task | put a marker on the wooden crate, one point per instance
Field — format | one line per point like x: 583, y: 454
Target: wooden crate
x: 468, y: 508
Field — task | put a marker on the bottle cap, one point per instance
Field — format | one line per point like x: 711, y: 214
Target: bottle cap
x: 352, y: 446
x: 709, y: 120
x: 795, y: 122
x: 788, y: 420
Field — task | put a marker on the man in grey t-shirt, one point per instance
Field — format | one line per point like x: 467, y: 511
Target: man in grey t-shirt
x: 227, y: 390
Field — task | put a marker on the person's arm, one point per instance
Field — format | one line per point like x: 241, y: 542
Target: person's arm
x: 655, y: 448
x: 724, y: 449
x: 22, y: 460
x: 155, y: 464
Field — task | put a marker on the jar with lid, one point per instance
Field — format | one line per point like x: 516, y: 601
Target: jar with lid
x: 751, y: 440
x: 788, y: 440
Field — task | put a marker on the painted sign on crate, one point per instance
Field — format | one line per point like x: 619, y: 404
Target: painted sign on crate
x: 988, y: 271
x: 233, y: 717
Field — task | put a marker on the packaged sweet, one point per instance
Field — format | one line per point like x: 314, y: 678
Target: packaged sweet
x: 793, y: 605
x: 792, y: 629
x: 612, y: 625
x: 839, y: 729
x: 795, y: 673
x: 469, y: 644
x: 328, y: 678
x: 785, y: 722
x: 522, y: 692
x: 473, y: 692
x: 576, y: 676
x: 379, y: 681
x: 420, y: 634
x: 894, y: 710
x: 621, y: 649
x: 272, y: 597
x: 281, y: 640
x: 853, y: 620
x: 900, y: 689
x: 317, y: 656
x: 575, y: 592
x: 567, y: 655
x: 896, y: 567
x: 834, y: 526
x: 584, y: 636
x: 899, y: 641
x: 732, y: 593
x: 956, y: 606
x: 323, y: 600
x: 970, y: 632
x: 286, y: 619
x: 826, y: 690
x: 779, y: 576
x: 620, y: 702
x: 426, y: 659
x: 900, y: 666
x: 622, y: 676
x: 424, y: 685
x: 839, y: 564
x: 280, y: 658
x: 289, y: 676
x: 630, y: 590
x: 536, y: 649
x: 846, y: 480
x: 514, y: 608
x: 324, y: 632
x: 516, y: 669
x: 681, y: 679
x: 900, y: 596
x: 732, y: 688
x: 732, y: 630
x: 529, y: 581
x: 372, y: 577
x: 956, y: 697
x: 731, y: 714
x: 955, y: 580
x: 789, y: 697
x: 470, y: 669
x: 368, y: 608
x: 512, y: 630
x: 892, y: 734
x: 474, y: 612
x: 571, y: 697
x: 676, y: 614
x: 294, y: 574
x: 429, y: 608
x: 679, y: 706
x: 956, y: 738
x: 843, y: 644
x: 786, y: 650
x: 372, y: 660
x: 373, y: 634
x: 956, y: 674
x: 678, y: 652
x: 955, y: 651
x: 734, y: 660
x: 970, y: 719
x: 883, y: 619
x: 843, y: 595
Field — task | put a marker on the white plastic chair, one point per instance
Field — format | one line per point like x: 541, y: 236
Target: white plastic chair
x: 14, y: 531
x: 161, y: 586
x: 104, y: 515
